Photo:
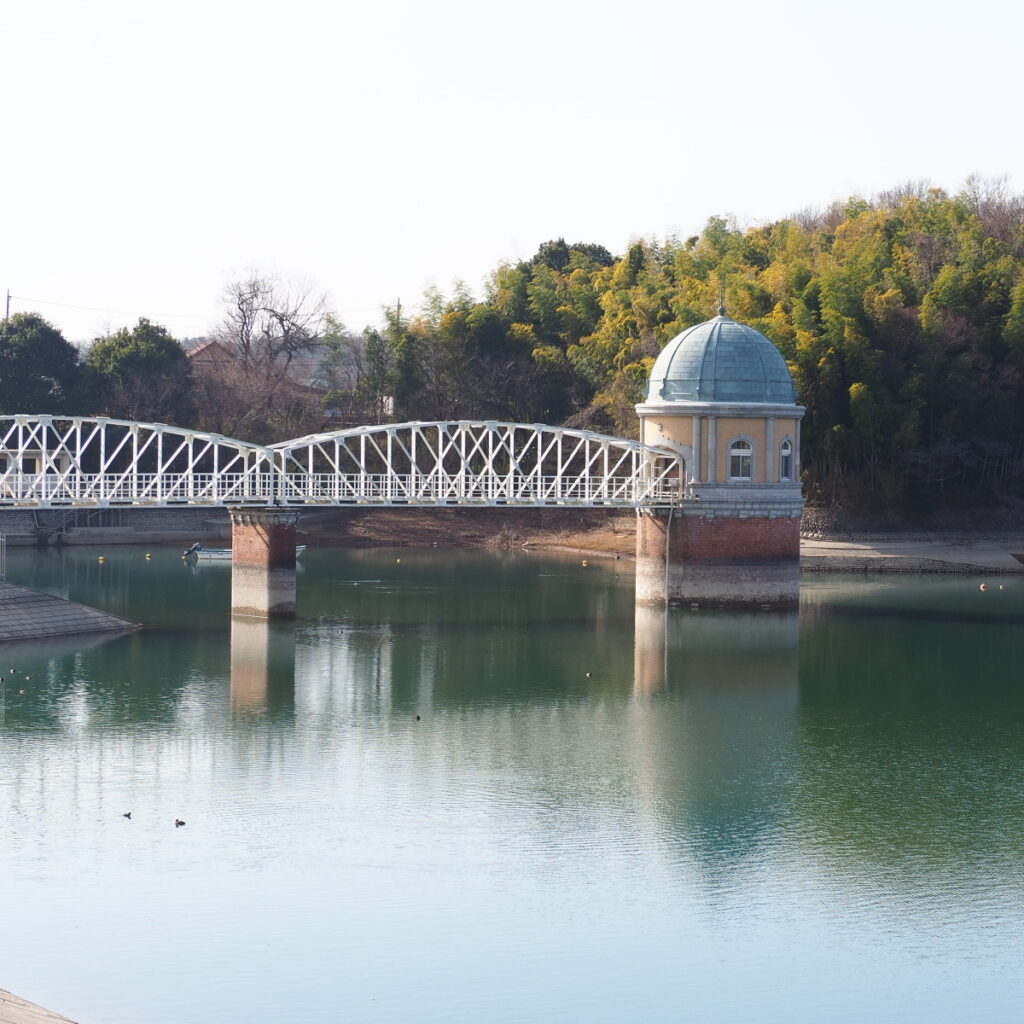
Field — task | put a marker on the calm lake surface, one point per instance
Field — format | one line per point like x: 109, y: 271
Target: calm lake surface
x: 599, y: 815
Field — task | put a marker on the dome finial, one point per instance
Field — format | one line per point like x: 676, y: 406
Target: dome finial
x: 721, y: 299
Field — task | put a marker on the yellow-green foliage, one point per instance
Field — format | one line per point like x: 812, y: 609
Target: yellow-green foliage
x: 902, y: 320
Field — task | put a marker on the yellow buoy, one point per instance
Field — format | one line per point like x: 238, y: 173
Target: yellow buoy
x: 397, y: 560
x: 148, y: 555
x: 584, y: 563
x: 102, y: 559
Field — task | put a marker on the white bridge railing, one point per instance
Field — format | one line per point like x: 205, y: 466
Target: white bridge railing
x: 46, y: 489
x: 42, y: 489
x: 52, y: 461
x: 464, y: 489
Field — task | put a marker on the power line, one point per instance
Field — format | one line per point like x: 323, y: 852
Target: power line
x: 135, y: 312
x: 107, y: 309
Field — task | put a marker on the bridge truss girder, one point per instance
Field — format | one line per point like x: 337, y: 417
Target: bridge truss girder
x: 48, y: 461
x: 475, y: 462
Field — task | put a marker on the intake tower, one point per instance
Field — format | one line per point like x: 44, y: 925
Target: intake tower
x: 722, y: 395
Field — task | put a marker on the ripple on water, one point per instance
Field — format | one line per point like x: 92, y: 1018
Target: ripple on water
x: 781, y: 826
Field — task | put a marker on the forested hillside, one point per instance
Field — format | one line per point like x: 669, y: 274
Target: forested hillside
x: 902, y: 319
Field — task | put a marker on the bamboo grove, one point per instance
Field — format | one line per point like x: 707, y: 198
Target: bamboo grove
x: 902, y: 320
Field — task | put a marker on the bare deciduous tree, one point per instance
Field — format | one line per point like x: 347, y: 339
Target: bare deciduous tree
x: 252, y: 388
x: 267, y: 323
x: 1000, y: 210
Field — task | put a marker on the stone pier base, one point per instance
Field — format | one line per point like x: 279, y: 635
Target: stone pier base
x: 718, y: 562
x: 263, y: 562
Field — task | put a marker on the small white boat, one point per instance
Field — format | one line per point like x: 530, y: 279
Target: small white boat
x: 222, y: 554
x: 213, y: 554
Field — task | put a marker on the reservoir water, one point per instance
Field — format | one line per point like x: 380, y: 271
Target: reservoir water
x: 472, y: 787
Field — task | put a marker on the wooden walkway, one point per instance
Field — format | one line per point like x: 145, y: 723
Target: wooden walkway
x: 17, y: 1011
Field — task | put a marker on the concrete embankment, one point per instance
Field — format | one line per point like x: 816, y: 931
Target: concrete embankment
x: 43, y: 527
x: 14, y: 1010
x: 998, y: 555
x: 28, y: 614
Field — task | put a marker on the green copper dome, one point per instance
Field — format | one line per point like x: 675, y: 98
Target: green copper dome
x: 721, y: 361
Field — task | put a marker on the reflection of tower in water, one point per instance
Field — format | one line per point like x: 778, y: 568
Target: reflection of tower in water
x: 679, y: 650
x: 715, y: 713
x: 262, y: 664
x: 650, y: 649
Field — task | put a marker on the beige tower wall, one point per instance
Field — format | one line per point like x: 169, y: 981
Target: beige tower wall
x: 658, y: 429
x: 680, y: 430
x: 785, y: 428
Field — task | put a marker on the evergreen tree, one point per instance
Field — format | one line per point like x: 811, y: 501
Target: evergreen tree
x: 39, y: 369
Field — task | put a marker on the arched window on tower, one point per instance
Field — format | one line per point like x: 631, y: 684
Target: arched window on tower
x: 786, y: 460
x: 741, y: 460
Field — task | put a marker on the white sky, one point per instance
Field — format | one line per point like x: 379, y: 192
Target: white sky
x: 153, y: 152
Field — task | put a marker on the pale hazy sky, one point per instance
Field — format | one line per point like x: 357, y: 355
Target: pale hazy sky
x: 153, y: 152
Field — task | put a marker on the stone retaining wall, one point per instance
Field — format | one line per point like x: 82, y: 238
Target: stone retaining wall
x: 113, y: 526
x: 28, y: 614
x: 897, y: 563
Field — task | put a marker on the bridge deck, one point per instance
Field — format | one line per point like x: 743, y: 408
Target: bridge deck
x: 337, y: 494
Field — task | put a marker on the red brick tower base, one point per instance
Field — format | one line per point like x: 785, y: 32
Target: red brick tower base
x: 718, y: 561
x: 263, y: 562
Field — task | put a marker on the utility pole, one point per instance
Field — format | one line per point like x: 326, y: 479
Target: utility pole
x: 7, y: 315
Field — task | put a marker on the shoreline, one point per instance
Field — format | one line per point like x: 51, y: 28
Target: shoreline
x: 612, y: 534
x: 594, y: 533
x: 983, y: 552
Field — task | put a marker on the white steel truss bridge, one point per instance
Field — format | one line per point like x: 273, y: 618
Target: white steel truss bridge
x: 53, y: 461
